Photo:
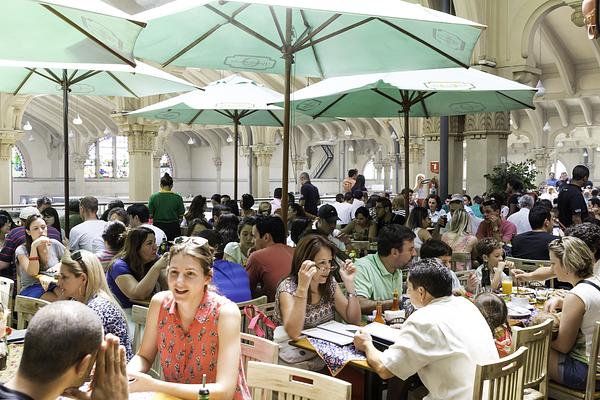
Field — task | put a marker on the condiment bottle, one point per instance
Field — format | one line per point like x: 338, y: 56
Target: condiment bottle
x: 395, y: 304
x: 203, y: 393
x: 379, y: 314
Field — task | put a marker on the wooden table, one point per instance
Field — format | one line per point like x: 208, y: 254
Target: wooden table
x: 305, y: 344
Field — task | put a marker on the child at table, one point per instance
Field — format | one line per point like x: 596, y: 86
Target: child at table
x: 490, y: 254
x: 495, y: 313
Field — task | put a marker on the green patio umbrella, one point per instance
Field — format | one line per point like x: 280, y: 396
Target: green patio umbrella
x: 319, y: 38
x: 232, y: 100
x: 67, y: 31
x: 425, y: 93
x: 19, y: 77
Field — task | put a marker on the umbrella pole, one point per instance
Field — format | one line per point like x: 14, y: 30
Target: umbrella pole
x: 236, y: 122
x: 65, y: 90
x: 406, y: 151
x: 289, y: 60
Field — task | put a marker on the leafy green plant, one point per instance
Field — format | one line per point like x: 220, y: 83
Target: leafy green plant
x: 524, y: 172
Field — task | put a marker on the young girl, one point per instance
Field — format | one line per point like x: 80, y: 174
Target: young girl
x: 495, y: 313
x: 490, y: 254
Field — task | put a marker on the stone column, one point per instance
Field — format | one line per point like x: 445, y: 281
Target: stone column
x: 262, y: 154
x: 486, y: 135
x: 78, y: 163
x: 156, y: 172
x: 378, y: 164
x: 140, y: 145
x: 298, y: 163
x: 542, y: 158
x: 218, y: 164
x: 431, y: 130
x: 388, y: 164
x: 7, y: 141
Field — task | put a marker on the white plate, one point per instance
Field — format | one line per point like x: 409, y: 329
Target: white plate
x: 517, y: 311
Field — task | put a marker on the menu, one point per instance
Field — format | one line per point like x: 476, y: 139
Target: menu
x: 334, y: 332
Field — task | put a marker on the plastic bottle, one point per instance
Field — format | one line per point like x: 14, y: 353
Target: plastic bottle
x: 379, y: 314
x: 203, y: 393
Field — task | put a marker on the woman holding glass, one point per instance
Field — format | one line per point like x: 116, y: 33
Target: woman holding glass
x: 193, y: 330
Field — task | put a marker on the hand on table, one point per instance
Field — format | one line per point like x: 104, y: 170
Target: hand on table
x: 553, y: 304
x: 140, y: 382
x: 361, y: 340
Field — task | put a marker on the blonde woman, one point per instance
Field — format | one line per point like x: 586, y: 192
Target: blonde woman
x: 459, y: 238
x: 82, y: 278
x: 572, y: 261
x: 193, y: 330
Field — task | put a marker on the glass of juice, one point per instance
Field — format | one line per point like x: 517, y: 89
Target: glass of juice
x: 507, y: 285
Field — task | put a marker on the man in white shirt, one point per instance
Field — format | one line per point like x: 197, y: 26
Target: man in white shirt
x: 356, y: 203
x: 442, y: 341
x: 88, y: 234
x: 344, y: 207
x: 521, y: 218
x: 139, y: 215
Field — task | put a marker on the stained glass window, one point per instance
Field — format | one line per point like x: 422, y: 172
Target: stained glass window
x: 18, y: 163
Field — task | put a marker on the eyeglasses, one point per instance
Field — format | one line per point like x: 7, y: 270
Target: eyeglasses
x: 77, y: 256
x: 195, y: 240
x: 327, y: 266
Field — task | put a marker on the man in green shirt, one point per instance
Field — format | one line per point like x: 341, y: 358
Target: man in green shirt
x: 378, y: 275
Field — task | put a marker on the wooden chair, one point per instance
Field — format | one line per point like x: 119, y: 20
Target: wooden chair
x: 505, y: 378
x: 530, y: 265
x: 241, y: 305
x: 293, y: 383
x: 138, y: 317
x: 462, y: 258
x: 463, y: 277
x: 26, y: 307
x: 537, y: 340
x: 559, y: 392
x: 6, y: 298
x: 258, y: 349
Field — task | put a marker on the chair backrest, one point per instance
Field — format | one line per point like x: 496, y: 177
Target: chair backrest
x: 258, y: 349
x: 256, y: 302
x: 537, y: 340
x: 463, y: 277
x: 592, y: 375
x: 6, y: 297
x: 26, y: 307
x: 293, y: 383
x: 138, y: 317
x: 504, y: 378
x: 460, y: 258
x: 528, y: 265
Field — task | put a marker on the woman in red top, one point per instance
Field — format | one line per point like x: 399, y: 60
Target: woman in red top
x: 193, y: 330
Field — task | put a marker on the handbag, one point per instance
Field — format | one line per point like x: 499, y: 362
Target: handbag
x: 293, y: 356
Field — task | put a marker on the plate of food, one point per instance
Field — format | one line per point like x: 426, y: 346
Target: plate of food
x: 518, y: 310
x: 523, y: 290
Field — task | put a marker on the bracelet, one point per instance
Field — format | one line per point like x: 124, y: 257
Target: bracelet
x: 298, y: 296
x: 351, y: 294
x: 35, y: 258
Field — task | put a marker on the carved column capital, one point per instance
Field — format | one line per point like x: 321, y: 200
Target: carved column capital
x: 8, y: 139
x: 263, y: 154
x: 479, y: 126
x: 140, y: 137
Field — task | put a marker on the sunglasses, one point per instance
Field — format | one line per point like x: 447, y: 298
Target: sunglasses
x: 77, y: 256
x: 195, y: 240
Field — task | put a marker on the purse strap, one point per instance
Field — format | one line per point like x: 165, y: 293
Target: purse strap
x: 255, y: 315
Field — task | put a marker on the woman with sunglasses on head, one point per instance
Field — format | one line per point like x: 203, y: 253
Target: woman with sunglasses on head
x: 309, y: 296
x: 37, y: 261
x: 137, y: 270
x: 193, y: 330
x: 82, y: 278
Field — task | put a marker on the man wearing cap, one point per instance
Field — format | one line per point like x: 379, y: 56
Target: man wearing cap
x: 15, y: 238
x: 43, y: 203
x: 325, y: 225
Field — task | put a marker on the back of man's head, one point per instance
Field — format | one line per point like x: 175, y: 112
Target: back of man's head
x: 431, y: 275
x: 139, y: 210
x: 352, y: 173
x: 58, y: 337
x: 74, y: 205
x: 272, y: 225
x: 526, y: 201
x: 589, y: 233
x: 391, y: 237
x: 278, y: 193
x: 581, y: 172
x: 89, y: 204
x: 304, y: 175
x: 348, y: 197
x: 537, y: 216
x: 435, y: 248
x: 357, y: 194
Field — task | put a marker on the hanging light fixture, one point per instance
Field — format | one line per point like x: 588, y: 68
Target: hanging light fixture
x: 71, y: 134
x: 348, y: 132
x: 560, y: 144
x: 229, y: 139
x: 351, y: 148
x: 27, y: 126
x: 107, y: 131
x: 77, y: 120
x: 598, y: 149
x: 191, y: 140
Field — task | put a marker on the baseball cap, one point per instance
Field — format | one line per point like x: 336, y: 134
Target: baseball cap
x: 457, y: 197
x: 28, y: 212
x: 328, y: 213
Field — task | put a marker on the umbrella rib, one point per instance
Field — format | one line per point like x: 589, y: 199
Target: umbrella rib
x: 338, y: 32
x: 201, y: 38
x: 317, y: 30
x: 88, y: 35
x: 224, y: 113
x: 195, y: 116
x: 72, y: 75
x: 50, y: 78
x: 85, y: 76
x: 277, y: 25
x: 245, y: 113
x: 31, y: 71
x: 121, y: 83
x: 387, y: 96
x: 243, y: 27
x: 275, y: 117
x: 52, y: 74
x: 423, y: 42
x: 513, y: 99
x: 314, y: 50
x: 330, y: 105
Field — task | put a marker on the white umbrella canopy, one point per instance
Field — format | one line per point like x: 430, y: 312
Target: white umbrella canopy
x: 437, y: 92
x: 320, y: 38
x: 233, y: 100
x: 67, y: 31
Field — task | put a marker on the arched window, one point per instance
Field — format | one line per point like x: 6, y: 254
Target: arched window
x: 108, y: 158
x: 18, y: 163
x: 166, y: 165
x: 369, y: 171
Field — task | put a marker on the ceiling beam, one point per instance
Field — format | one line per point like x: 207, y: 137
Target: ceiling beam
x: 561, y: 57
x: 563, y: 112
x: 586, y: 108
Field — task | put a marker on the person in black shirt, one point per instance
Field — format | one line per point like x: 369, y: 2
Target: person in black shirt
x: 533, y: 245
x: 309, y: 195
x: 62, y: 343
x: 572, y: 208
